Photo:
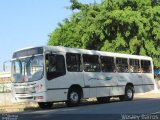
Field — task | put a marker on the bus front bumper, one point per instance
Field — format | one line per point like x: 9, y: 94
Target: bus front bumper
x: 36, y: 97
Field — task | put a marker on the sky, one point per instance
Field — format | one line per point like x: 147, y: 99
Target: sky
x: 26, y: 23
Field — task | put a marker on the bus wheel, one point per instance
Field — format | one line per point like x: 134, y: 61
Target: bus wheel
x: 73, y: 98
x: 103, y: 99
x: 45, y: 105
x: 129, y: 94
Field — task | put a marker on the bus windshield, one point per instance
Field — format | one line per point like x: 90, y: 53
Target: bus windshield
x: 27, y: 69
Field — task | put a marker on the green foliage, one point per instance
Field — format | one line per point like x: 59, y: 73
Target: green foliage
x: 125, y: 26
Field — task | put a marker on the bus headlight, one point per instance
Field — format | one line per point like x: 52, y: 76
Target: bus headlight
x: 39, y: 88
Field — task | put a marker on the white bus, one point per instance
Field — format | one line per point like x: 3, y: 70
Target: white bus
x: 51, y: 74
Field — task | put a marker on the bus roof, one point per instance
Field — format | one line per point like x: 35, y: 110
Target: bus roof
x: 85, y: 51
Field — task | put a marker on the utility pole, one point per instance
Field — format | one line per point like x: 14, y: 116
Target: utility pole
x: 4, y: 65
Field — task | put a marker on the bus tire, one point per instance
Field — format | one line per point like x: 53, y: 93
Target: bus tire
x: 129, y: 94
x: 45, y: 105
x: 103, y: 99
x: 73, y: 98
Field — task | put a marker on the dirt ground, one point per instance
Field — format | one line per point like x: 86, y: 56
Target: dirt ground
x: 151, y: 94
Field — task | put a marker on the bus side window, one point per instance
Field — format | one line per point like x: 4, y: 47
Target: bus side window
x: 134, y: 65
x: 74, y: 63
x: 122, y: 65
x: 55, y: 66
x: 107, y: 64
x: 91, y: 63
x: 146, y: 66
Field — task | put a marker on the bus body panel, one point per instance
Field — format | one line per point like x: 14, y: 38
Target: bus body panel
x: 137, y: 80
x: 56, y: 95
x: 148, y: 82
x: 74, y: 78
x: 57, y: 89
x: 104, y: 84
x: 90, y: 78
x: 111, y: 83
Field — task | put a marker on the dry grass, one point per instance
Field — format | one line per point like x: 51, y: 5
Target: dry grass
x: 18, y: 107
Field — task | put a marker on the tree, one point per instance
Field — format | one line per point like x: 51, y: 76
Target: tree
x: 124, y: 26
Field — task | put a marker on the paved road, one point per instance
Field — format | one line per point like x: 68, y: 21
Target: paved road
x: 134, y: 110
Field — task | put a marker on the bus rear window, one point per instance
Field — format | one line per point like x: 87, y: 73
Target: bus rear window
x: 146, y: 66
